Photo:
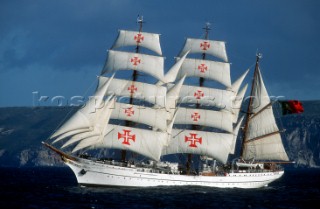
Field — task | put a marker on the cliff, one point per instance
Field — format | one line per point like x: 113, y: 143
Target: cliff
x: 23, y: 128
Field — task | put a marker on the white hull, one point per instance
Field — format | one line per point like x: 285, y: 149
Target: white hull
x: 92, y: 173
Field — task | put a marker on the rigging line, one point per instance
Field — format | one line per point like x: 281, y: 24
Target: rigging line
x: 71, y: 110
x: 278, y: 111
x: 253, y: 64
x: 182, y: 130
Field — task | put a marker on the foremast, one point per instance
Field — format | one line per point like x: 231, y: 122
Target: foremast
x: 134, y: 78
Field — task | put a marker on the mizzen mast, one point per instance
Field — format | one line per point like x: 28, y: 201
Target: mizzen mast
x: 249, y: 109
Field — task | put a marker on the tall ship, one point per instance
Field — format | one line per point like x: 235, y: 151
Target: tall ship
x: 176, y: 129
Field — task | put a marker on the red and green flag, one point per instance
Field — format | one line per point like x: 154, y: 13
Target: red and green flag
x: 291, y: 107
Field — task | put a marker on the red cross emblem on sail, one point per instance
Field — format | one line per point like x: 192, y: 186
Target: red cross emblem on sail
x: 126, y: 136
x: 139, y: 38
x: 195, y: 116
x: 202, y: 68
x: 205, y: 45
x: 132, y: 89
x: 198, y: 94
x: 193, y: 139
x: 129, y: 111
x: 135, y: 61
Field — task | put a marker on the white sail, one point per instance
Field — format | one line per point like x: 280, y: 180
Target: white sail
x: 217, y: 119
x: 81, y: 136
x: 216, y: 145
x: 98, y: 128
x: 71, y: 133
x: 171, y: 75
x: 217, y: 71
x: 156, y: 118
x: 148, y: 92
x: 214, y: 48
x: 145, y: 142
x: 235, y: 135
x: 262, y: 124
x: 237, y: 102
x: 117, y: 60
x: 86, y: 116
x: 173, y: 97
x: 259, y: 95
x: 267, y: 148
x: 207, y: 96
x: 236, y: 85
x: 263, y: 140
x: 133, y: 38
x: 92, y: 141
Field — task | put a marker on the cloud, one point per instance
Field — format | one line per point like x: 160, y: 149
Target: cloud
x: 63, y: 34
x: 63, y: 38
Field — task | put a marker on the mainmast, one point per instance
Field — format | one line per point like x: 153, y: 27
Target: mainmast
x: 134, y: 78
x: 201, y: 81
x: 249, y: 109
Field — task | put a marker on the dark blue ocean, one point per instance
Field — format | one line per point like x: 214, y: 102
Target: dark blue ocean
x: 57, y: 188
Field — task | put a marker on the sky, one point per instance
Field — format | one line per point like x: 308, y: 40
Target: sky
x: 52, y: 51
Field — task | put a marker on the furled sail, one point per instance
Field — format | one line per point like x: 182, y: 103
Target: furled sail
x: 263, y: 140
x: 117, y: 60
x: 214, y: 48
x: 133, y: 38
x: 216, y: 145
x: 217, y: 71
